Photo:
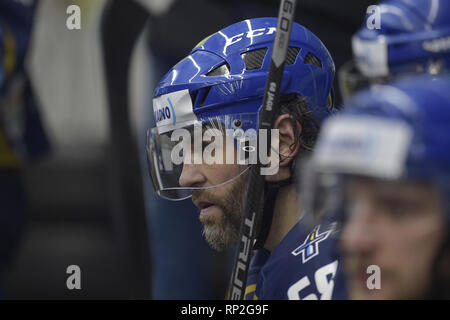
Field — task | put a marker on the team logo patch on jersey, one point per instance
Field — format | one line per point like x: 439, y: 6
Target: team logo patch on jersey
x: 310, y: 248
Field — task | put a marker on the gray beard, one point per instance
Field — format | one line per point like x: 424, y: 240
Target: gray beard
x: 221, y: 237
x: 223, y: 232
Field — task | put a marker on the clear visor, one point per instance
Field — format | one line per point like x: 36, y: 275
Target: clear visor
x: 322, y: 195
x: 211, y: 152
x: 346, y: 198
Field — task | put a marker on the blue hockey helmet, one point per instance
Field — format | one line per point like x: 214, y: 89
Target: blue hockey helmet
x: 222, y: 81
x: 390, y: 132
x: 398, y: 37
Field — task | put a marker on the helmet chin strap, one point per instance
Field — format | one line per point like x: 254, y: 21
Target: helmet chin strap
x: 270, y: 193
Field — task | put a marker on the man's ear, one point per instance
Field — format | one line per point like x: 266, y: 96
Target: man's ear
x: 289, y: 142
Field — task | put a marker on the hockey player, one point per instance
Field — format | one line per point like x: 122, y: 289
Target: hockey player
x: 385, y: 162
x: 219, y: 87
x: 398, y: 38
x: 22, y: 135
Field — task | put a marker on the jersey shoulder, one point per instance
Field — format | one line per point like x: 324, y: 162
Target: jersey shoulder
x: 305, y: 265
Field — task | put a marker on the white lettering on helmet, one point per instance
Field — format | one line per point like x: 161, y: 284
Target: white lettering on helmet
x: 163, y: 114
x: 249, y: 35
x: 437, y: 45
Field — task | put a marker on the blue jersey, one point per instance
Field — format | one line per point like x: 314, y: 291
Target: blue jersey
x: 22, y: 135
x: 304, y: 266
x: 16, y: 20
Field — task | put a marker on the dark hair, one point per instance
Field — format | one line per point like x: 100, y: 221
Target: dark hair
x: 296, y: 106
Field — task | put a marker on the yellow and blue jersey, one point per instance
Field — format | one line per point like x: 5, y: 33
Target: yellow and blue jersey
x: 21, y: 131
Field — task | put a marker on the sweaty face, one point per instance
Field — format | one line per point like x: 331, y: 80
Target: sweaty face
x: 397, y: 227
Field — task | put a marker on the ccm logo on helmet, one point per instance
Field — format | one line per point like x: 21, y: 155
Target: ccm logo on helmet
x: 251, y: 34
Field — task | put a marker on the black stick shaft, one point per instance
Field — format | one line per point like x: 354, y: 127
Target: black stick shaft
x: 251, y: 216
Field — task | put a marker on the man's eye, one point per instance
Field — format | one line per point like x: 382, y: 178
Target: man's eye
x: 398, y: 209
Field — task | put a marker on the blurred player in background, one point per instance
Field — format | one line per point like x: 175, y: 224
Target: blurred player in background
x: 21, y: 134
x: 398, y: 38
x: 385, y: 163
x: 219, y: 86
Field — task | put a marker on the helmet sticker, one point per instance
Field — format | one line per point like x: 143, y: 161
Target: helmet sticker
x: 371, y: 57
x: 353, y: 146
x: 173, y: 110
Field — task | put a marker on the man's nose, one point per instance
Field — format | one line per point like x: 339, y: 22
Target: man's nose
x: 191, y: 176
x: 359, y: 232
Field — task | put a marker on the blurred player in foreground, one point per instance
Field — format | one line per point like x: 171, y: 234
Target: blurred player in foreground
x: 385, y: 163
x: 398, y: 38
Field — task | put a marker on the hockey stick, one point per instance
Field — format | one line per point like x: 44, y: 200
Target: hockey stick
x: 251, y: 216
